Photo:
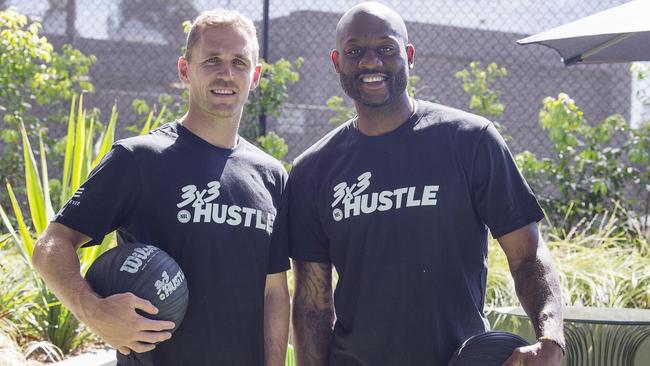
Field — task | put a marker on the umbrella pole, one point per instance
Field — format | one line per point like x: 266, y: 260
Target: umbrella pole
x: 586, y: 54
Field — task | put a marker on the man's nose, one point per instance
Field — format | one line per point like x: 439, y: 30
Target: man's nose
x: 225, y: 71
x: 370, y: 60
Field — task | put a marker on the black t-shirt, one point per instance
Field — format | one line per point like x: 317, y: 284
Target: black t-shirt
x: 212, y: 210
x: 404, y: 219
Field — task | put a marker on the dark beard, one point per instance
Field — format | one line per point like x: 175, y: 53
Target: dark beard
x: 396, y: 86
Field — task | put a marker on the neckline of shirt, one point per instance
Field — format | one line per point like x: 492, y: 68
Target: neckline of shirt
x: 186, y: 133
x: 400, y: 130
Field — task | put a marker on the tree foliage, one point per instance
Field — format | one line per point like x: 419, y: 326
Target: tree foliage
x: 590, y: 169
x: 33, y: 73
x: 477, y: 82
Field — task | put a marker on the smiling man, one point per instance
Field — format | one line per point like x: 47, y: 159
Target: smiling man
x: 206, y: 196
x: 400, y: 199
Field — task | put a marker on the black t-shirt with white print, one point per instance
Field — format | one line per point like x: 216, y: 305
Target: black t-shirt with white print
x: 212, y: 210
x: 404, y: 218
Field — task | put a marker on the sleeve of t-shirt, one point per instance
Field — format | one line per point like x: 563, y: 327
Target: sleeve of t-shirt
x: 306, y: 237
x: 279, y: 248
x: 501, y: 196
x: 102, y: 202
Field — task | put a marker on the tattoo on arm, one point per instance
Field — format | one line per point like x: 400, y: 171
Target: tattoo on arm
x: 538, y: 289
x: 313, y: 312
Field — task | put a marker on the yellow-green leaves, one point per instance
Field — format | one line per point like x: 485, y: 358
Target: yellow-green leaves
x: 26, y: 243
x: 78, y: 150
x: 35, y: 197
x: 67, y: 160
x: 107, y: 138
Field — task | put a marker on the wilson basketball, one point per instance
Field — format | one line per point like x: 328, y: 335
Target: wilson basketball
x: 487, y: 349
x: 145, y: 271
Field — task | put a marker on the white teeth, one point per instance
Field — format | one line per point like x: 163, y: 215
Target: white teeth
x: 371, y: 79
x: 223, y: 91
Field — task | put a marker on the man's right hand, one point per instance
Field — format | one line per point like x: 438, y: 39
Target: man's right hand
x: 114, y: 318
x: 116, y: 321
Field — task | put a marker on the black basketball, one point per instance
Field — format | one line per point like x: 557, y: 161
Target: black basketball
x: 487, y: 349
x: 145, y: 271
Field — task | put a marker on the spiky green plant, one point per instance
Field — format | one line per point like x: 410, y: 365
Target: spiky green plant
x: 47, y: 319
x: 290, y: 360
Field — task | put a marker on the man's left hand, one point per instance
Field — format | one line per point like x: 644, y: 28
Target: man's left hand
x: 538, y: 354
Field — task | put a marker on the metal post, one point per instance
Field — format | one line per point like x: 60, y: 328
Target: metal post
x: 265, y: 54
x: 70, y: 18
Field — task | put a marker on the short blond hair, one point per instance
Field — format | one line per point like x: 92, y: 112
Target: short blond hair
x: 217, y: 18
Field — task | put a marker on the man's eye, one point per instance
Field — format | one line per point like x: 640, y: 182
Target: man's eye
x: 353, y: 52
x: 212, y: 60
x: 239, y: 62
x: 386, y: 49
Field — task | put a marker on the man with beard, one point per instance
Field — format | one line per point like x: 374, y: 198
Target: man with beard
x: 399, y: 199
x: 206, y: 196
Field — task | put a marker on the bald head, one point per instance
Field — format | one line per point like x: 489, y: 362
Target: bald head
x: 371, y: 12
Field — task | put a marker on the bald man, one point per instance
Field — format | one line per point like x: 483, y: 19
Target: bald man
x: 399, y: 200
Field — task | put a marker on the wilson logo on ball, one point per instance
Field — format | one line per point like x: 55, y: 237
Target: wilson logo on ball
x: 134, y: 261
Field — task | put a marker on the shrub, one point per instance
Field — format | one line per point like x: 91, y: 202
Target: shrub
x: 477, y: 83
x: 31, y: 71
x: 46, y: 318
x: 275, y: 146
x: 589, y: 171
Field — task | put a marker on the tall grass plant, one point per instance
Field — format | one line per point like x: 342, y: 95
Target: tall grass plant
x: 43, y: 317
x: 596, y: 264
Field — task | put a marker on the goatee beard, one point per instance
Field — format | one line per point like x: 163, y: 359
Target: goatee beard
x: 396, y: 86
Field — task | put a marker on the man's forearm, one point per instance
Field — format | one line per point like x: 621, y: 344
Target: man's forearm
x: 538, y: 289
x: 276, y: 325
x: 313, y: 313
x: 60, y: 268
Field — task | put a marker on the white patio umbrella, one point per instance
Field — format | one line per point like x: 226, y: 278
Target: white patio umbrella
x: 619, y: 34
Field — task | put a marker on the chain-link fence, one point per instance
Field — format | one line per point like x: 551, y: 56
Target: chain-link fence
x: 137, y: 43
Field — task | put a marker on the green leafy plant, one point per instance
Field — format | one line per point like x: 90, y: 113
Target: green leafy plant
x: 275, y: 146
x: 290, y: 358
x: 270, y: 96
x: 47, y: 319
x: 167, y: 108
x: 341, y: 113
x: 31, y: 71
x: 477, y: 82
x: 484, y: 99
x: 16, y: 289
x: 588, y: 172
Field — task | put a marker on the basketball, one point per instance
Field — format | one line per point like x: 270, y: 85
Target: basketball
x: 145, y: 271
x: 487, y: 349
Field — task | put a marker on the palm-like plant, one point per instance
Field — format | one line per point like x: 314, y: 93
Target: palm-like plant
x: 47, y: 318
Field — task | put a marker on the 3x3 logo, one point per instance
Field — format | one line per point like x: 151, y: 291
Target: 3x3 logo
x: 190, y: 194
x: 354, y: 200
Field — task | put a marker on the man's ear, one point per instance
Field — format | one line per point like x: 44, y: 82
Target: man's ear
x: 182, y: 70
x: 257, y: 74
x: 335, y: 60
x: 410, y: 55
